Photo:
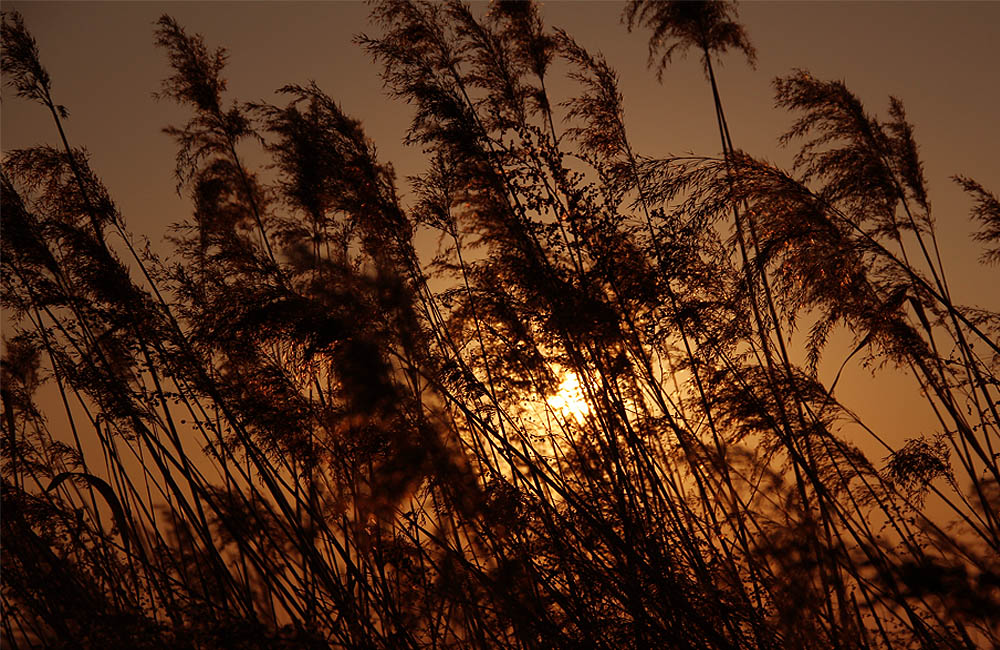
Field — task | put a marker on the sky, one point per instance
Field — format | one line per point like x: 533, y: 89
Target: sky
x: 938, y: 57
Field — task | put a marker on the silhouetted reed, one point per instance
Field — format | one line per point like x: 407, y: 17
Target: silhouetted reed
x: 298, y: 430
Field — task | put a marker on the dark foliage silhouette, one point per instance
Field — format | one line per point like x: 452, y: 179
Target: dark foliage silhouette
x: 579, y: 423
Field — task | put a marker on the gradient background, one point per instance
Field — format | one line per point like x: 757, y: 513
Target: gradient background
x: 939, y: 58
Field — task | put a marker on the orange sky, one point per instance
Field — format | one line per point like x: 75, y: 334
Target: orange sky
x: 939, y: 58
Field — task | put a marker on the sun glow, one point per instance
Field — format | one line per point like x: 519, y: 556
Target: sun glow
x: 568, y: 401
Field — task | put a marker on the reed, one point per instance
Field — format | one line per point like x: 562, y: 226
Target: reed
x: 579, y: 423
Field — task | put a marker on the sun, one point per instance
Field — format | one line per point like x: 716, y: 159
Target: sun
x: 568, y: 401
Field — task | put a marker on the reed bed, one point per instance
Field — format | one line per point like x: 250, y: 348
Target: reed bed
x: 583, y: 421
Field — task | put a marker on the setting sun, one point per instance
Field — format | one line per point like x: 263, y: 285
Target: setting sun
x: 569, y: 401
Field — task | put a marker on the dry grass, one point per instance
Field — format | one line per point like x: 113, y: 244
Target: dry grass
x: 308, y: 436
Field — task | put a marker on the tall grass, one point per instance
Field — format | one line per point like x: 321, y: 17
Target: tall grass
x: 297, y: 431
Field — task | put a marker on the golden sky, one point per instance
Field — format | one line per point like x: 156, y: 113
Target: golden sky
x: 938, y: 57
